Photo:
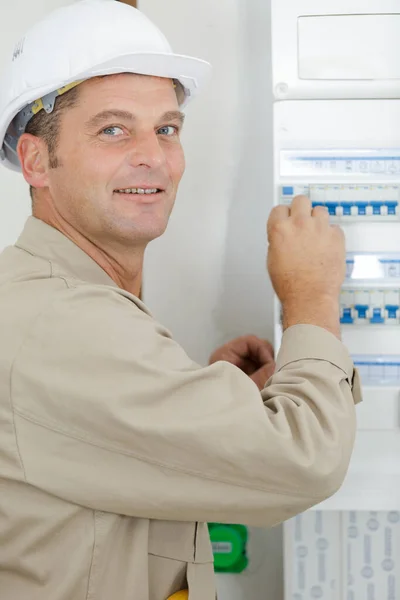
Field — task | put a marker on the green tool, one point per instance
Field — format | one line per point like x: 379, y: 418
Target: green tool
x: 229, y: 547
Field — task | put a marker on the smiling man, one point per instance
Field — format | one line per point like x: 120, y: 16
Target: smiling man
x: 120, y: 137
x: 115, y: 447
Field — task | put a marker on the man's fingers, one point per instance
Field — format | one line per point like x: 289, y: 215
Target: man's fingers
x: 277, y: 214
x: 248, y: 366
x: 320, y: 212
x: 247, y: 352
x: 261, y: 350
x: 338, y: 232
x: 258, y: 350
x: 301, y: 207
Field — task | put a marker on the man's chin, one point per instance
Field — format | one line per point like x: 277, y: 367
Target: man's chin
x: 145, y: 235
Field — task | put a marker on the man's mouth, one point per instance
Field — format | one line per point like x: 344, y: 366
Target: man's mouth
x: 139, y: 190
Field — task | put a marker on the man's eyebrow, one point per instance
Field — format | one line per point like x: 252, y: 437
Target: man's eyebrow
x: 105, y: 115
x: 173, y: 115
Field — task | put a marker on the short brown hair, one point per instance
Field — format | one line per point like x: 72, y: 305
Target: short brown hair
x: 47, y: 125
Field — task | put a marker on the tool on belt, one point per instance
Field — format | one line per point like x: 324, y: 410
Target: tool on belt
x: 182, y: 595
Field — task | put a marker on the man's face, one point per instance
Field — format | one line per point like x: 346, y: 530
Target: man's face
x: 120, y: 159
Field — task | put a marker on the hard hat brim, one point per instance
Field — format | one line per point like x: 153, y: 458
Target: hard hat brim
x: 193, y: 73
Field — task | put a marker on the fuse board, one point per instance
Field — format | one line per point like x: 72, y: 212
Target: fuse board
x: 361, y: 191
x: 371, y: 292
x: 370, y: 306
x: 369, y: 202
x: 345, y: 155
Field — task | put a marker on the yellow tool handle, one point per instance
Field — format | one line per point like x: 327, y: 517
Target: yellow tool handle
x: 183, y: 595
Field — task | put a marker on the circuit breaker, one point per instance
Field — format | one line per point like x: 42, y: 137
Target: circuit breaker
x: 337, y: 141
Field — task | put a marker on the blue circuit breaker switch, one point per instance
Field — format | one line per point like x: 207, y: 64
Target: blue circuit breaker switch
x: 377, y: 317
x: 376, y: 207
x: 331, y: 206
x: 392, y: 311
x: 391, y: 206
x: 362, y: 207
x: 346, y: 208
x: 361, y: 310
x: 346, y: 318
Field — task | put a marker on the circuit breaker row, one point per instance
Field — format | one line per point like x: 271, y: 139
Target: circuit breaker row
x: 380, y: 202
x: 370, y: 306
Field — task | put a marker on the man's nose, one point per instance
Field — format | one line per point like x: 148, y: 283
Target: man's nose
x: 146, y: 151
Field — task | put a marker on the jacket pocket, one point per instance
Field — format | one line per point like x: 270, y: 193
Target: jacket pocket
x: 187, y: 542
x: 180, y: 556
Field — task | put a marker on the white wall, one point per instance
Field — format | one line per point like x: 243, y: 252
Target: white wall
x: 205, y: 279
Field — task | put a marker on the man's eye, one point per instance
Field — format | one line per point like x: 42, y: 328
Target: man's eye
x: 168, y: 130
x: 112, y: 131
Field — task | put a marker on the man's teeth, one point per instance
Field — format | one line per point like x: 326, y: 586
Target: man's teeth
x: 137, y: 191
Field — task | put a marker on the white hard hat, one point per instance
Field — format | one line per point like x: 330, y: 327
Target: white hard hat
x: 83, y: 40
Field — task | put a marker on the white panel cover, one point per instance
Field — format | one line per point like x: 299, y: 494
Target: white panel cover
x: 349, y: 47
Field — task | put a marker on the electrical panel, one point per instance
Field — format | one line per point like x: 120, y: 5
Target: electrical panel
x: 336, y: 85
x: 335, y: 49
x: 345, y: 155
x: 351, y: 554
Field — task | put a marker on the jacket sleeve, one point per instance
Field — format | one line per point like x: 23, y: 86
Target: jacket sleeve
x: 111, y: 414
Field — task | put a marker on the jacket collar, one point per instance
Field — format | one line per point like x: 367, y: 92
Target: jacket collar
x: 66, y: 258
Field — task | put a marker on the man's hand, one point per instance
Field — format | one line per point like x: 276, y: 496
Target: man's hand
x: 306, y: 263
x: 252, y: 355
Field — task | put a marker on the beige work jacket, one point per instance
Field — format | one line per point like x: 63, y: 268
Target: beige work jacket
x: 116, y: 448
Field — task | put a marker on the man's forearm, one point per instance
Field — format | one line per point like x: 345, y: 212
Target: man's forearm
x: 322, y: 313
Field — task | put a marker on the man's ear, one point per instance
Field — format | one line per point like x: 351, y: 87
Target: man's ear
x: 34, y: 159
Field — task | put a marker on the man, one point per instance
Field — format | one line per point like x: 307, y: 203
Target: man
x: 115, y: 447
